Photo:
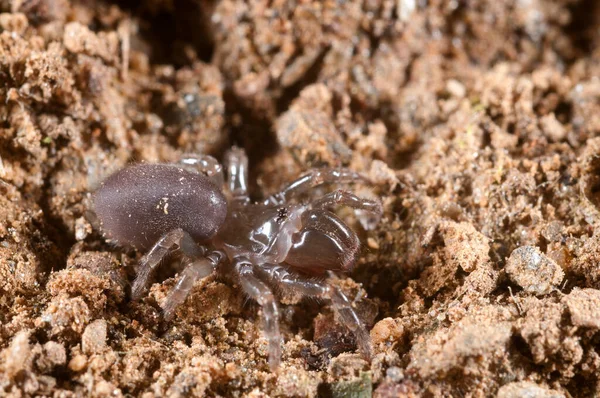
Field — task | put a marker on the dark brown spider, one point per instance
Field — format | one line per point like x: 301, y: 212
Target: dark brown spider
x: 281, y: 241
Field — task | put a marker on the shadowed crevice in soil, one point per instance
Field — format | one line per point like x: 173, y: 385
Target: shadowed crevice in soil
x: 171, y: 30
x: 310, y: 76
x: 54, y: 230
x: 583, y: 28
x: 251, y: 131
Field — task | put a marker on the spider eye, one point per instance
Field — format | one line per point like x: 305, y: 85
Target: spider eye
x: 282, y: 214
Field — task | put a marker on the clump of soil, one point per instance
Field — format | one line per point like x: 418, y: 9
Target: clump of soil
x: 477, y: 124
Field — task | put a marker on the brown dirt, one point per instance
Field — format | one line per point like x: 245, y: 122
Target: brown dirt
x: 477, y: 121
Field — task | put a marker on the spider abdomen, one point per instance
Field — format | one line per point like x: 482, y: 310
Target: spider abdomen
x: 140, y: 203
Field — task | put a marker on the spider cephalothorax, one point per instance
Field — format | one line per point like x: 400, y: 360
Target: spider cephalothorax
x: 281, y: 241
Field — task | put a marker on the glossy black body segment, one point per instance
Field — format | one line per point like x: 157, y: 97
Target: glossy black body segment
x: 140, y: 203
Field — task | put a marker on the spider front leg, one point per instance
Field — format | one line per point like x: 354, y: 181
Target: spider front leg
x: 194, y: 271
x: 345, y: 198
x: 325, y: 243
x: 304, y: 286
x: 260, y: 292
x: 313, y: 179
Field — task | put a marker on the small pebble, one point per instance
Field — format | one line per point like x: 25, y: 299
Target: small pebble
x: 394, y: 373
x: 82, y: 228
x: 387, y: 330
x: 372, y: 243
x: 93, y: 339
x: 527, y: 389
x: 78, y: 363
x: 529, y: 268
x: 54, y: 354
x: 584, y: 306
x: 456, y: 88
x: 17, y: 357
x: 106, y: 389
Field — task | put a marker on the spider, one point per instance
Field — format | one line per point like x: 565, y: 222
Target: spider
x: 280, y: 242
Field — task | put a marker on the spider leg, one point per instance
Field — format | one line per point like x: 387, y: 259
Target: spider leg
x: 346, y: 198
x: 204, y: 164
x: 194, y: 271
x: 305, y: 286
x: 259, y: 291
x: 148, y: 263
x: 236, y: 162
x: 313, y: 179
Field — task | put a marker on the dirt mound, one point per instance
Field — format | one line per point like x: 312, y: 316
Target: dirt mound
x: 477, y: 122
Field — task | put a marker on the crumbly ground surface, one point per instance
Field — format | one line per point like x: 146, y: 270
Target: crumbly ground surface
x: 477, y: 121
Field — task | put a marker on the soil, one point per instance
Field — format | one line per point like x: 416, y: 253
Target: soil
x: 477, y: 122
